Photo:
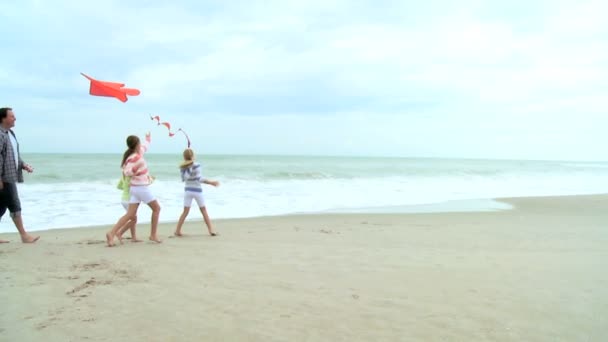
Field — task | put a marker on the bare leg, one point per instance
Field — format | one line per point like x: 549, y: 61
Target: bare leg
x: 180, y: 223
x: 4, y: 241
x: 25, y: 237
x: 130, y: 225
x: 121, y: 231
x: 114, y: 231
x: 130, y: 215
x: 208, y: 221
x: 154, y: 224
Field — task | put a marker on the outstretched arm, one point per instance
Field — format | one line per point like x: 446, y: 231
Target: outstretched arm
x: 210, y: 182
x: 145, y: 146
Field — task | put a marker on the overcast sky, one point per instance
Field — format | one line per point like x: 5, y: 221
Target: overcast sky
x: 473, y: 79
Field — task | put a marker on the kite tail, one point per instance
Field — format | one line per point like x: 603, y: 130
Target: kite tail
x: 186, y: 135
x: 168, y: 125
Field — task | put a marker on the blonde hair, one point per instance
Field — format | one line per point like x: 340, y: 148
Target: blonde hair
x: 188, y: 158
x: 188, y: 154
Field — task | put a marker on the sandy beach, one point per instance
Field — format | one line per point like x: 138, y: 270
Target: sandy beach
x: 534, y: 273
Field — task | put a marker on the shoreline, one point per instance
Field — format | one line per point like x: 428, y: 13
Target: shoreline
x: 451, y: 206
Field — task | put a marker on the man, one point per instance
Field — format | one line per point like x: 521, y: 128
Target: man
x: 11, y: 173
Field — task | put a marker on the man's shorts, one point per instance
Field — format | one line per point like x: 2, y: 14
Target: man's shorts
x: 9, y: 199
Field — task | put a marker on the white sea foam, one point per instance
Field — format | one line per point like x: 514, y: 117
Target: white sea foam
x: 75, y: 204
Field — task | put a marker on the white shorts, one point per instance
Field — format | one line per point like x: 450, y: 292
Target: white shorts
x: 191, y: 195
x: 141, y: 194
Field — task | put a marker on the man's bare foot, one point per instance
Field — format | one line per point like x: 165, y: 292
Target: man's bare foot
x: 109, y: 240
x: 135, y: 240
x: 155, y: 239
x: 178, y: 233
x: 29, y: 239
x: 4, y: 241
x: 213, y: 234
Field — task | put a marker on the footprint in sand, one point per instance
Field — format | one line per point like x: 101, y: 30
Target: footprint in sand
x: 46, y: 323
x: 89, y: 283
x: 89, y: 266
x: 91, y: 242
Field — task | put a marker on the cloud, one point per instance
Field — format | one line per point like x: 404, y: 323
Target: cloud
x: 354, y: 67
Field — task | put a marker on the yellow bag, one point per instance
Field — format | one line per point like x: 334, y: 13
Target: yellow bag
x: 121, y: 184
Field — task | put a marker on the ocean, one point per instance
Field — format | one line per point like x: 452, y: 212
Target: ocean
x: 75, y: 190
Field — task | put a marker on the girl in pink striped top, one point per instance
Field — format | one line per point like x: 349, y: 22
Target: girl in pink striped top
x: 134, y: 165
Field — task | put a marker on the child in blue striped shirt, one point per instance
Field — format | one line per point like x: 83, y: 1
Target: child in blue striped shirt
x: 191, y: 175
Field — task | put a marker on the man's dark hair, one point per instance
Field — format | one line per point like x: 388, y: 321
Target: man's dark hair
x: 4, y: 112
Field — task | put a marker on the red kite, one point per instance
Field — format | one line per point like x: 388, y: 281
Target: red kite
x: 110, y: 89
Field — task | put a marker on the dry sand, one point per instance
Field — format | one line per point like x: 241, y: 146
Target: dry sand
x: 534, y: 273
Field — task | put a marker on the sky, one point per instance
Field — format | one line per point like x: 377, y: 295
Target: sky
x: 439, y: 79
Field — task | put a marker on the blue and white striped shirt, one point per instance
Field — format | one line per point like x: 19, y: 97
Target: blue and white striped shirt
x: 192, y: 176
